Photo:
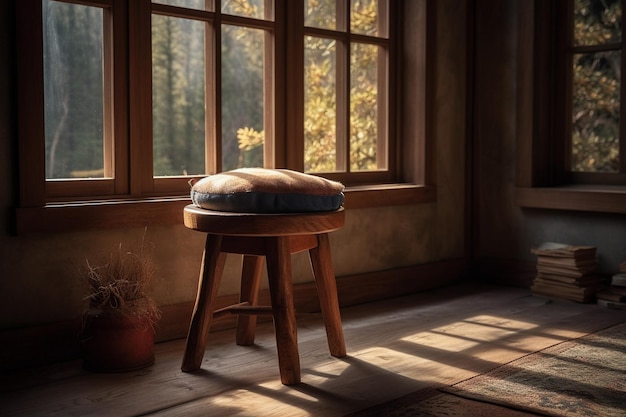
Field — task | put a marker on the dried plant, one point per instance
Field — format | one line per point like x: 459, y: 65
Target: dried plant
x: 123, y: 283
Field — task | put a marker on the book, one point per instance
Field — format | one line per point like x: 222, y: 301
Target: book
x: 618, y: 290
x: 619, y: 280
x: 563, y: 262
x: 560, y: 290
x: 563, y: 250
x: 612, y: 304
x: 583, y: 281
x: 546, y: 292
x: 609, y: 295
x: 568, y: 272
x: 576, y: 288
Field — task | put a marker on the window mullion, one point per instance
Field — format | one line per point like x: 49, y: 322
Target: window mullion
x: 343, y: 106
x: 118, y: 76
x: 382, y: 102
x: 213, y: 90
x: 622, y: 110
x: 268, y: 100
x: 140, y: 98
x: 108, y: 94
x: 293, y: 140
x: 343, y: 88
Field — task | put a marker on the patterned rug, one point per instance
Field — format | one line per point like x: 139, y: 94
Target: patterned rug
x: 582, y: 377
x: 433, y: 403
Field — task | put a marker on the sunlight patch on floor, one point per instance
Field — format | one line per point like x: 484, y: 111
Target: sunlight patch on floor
x: 242, y: 402
x: 466, y: 334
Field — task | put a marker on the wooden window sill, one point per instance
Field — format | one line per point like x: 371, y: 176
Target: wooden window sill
x: 64, y: 217
x: 601, y: 199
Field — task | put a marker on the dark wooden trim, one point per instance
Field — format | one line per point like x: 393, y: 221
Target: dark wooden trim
x: 107, y: 214
x: 54, y: 342
x: 99, y: 215
x: 30, y: 103
x: 535, y: 117
x: 388, y: 195
x: 375, y: 286
x: 416, y: 78
x: 579, y: 198
x: 524, y: 122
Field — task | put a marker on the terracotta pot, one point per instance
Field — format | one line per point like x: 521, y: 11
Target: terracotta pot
x: 115, y: 342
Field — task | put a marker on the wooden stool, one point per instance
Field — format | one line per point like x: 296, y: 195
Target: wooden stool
x: 275, y: 237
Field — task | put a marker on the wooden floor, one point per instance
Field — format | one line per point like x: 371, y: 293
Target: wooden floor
x: 395, y: 347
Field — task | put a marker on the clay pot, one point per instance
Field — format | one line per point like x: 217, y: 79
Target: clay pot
x: 116, y: 342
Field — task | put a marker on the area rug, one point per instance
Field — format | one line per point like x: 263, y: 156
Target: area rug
x: 581, y: 377
x: 433, y: 403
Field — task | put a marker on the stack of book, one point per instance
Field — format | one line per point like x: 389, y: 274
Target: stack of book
x: 615, y: 295
x: 566, y: 271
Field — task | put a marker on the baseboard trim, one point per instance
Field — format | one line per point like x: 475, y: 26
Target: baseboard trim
x: 56, y: 342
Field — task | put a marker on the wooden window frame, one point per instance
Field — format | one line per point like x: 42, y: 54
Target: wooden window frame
x: 166, y: 186
x: 387, y: 136
x: 542, y: 180
x: 132, y: 202
x: 34, y: 188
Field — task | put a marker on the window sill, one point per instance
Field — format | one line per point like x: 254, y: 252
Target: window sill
x: 365, y: 196
x: 110, y: 214
x: 600, y: 199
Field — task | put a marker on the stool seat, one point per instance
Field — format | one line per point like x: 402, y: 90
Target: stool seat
x: 255, y: 224
x: 273, y: 238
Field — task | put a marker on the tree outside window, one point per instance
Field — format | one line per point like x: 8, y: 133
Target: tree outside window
x: 596, y: 56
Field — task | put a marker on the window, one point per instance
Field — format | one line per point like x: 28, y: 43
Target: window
x: 124, y: 101
x: 213, y: 90
x: 571, y: 140
x: 82, y: 101
x: 593, y: 61
x: 346, y: 61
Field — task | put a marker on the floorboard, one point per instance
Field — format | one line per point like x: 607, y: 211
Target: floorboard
x: 395, y: 347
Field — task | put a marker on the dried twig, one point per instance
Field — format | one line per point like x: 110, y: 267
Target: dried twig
x: 123, y: 283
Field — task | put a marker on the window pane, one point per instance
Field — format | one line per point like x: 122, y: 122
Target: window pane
x: 595, y: 112
x: 189, y: 4
x: 597, y: 22
x: 320, y: 105
x: 366, y: 19
x: 320, y: 14
x: 364, y: 108
x: 247, y: 8
x: 74, y: 91
x: 243, y: 133
x: 178, y: 96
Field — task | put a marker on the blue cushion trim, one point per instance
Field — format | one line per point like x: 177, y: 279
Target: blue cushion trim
x: 258, y: 202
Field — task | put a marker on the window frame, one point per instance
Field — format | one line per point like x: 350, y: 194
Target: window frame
x: 133, y: 203
x: 34, y: 188
x: 542, y: 178
x: 387, y: 100
x: 165, y: 186
x: 565, y: 52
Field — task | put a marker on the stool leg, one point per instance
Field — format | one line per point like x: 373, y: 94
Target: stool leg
x: 250, y: 284
x: 327, y: 293
x: 211, y: 271
x: 281, y: 291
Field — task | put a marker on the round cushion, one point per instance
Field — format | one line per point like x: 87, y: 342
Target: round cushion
x: 262, y: 190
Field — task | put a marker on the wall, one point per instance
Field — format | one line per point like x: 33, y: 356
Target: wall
x: 504, y: 232
x: 37, y: 272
